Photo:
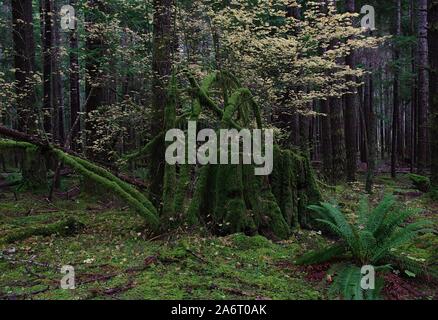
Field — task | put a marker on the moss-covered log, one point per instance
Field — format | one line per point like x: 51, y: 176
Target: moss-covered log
x: 111, y: 183
x: 65, y: 227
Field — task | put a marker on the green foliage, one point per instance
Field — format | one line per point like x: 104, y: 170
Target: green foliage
x: 434, y: 194
x: 369, y: 240
x: 347, y: 283
x: 422, y: 183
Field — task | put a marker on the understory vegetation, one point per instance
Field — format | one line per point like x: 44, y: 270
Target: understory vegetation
x: 110, y: 164
x: 116, y: 258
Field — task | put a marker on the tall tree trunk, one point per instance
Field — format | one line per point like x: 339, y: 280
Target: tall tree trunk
x: 33, y: 166
x: 396, y: 97
x: 58, y: 94
x: 162, y: 69
x: 75, y: 102
x: 24, y: 63
x: 414, y: 96
x: 47, y: 15
x: 338, y: 139
x: 351, y: 116
x: 423, y: 85
x: 371, y: 135
x: 326, y: 141
x: 433, y: 54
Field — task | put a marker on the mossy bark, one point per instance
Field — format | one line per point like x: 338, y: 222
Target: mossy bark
x: 33, y: 163
x: 65, y: 227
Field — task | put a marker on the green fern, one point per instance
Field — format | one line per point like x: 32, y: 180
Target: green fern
x: 369, y: 240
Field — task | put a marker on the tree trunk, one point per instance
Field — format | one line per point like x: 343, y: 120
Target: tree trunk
x: 433, y: 54
x: 58, y: 94
x: 414, y: 96
x: 351, y: 116
x: 326, y: 141
x: 47, y: 37
x: 75, y: 102
x: 371, y: 136
x: 337, y: 131
x: 423, y: 85
x: 24, y: 63
x: 162, y: 69
x: 396, y: 98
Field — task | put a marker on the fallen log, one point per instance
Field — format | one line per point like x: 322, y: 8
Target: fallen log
x: 100, y: 175
x: 36, y: 141
x: 65, y: 227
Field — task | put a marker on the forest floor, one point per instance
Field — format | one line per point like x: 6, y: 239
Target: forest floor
x: 114, y: 259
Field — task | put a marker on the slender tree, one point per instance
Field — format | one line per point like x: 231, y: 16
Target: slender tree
x: 75, y: 102
x: 162, y: 68
x: 423, y: 85
x: 24, y: 63
x: 58, y: 89
x: 351, y: 105
x: 396, y: 95
x: 371, y: 133
x: 433, y: 54
x: 47, y: 23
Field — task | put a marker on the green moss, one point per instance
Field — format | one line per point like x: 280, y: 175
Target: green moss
x: 246, y: 243
x: 200, y: 200
x: 113, y: 184
x: 64, y: 228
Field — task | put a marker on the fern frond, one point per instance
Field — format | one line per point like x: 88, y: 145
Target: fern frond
x: 378, y: 215
x: 364, y: 210
x: 346, y: 283
x: 400, y: 237
x: 323, y: 255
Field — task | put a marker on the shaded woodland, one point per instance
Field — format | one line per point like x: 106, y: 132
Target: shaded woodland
x: 89, y: 88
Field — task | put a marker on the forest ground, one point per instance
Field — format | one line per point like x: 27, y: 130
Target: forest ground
x: 115, y: 259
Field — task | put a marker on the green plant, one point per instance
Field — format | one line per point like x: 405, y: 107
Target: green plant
x: 422, y: 183
x: 368, y: 240
x: 434, y: 194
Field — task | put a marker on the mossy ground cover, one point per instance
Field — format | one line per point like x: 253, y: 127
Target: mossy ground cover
x: 116, y: 258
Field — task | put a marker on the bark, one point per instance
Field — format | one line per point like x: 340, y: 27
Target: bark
x: 371, y: 136
x: 433, y: 54
x: 75, y: 102
x: 47, y: 14
x: 162, y: 68
x: 58, y: 93
x: 338, y: 139
x: 351, y: 106
x: 423, y: 85
x: 414, y: 96
x: 326, y: 141
x: 24, y: 63
x: 396, y: 98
